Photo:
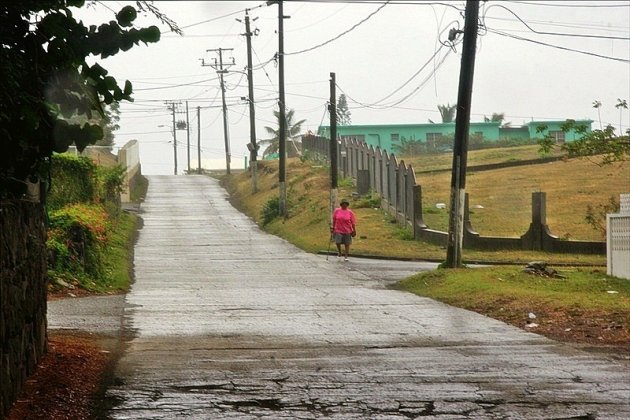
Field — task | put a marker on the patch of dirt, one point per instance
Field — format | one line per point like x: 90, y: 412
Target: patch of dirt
x: 590, y: 330
x: 66, y: 381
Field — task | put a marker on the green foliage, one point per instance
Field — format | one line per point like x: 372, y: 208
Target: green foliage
x: 345, y: 182
x: 38, y: 102
x: 110, y: 185
x: 447, y: 113
x: 343, y: 113
x: 501, y: 286
x: 292, y: 129
x: 596, y: 215
x: 73, y: 180
x: 611, y: 147
x: 409, y: 148
x: 76, y: 238
x: 88, y: 249
x: 370, y: 201
x: 404, y: 234
x: 270, y: 210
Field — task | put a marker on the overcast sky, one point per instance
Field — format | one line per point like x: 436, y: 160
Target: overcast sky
x: 393, y: 61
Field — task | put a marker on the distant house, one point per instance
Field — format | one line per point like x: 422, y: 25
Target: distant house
x: 388, y: 136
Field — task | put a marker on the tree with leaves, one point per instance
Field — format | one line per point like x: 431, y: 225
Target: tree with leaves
x: 447, y: 112
x: 343, y: 113
x: 47, y: 84
x: 598, y: 105
x: 604, y: 143
x: 621, y: 105
x: 497, y: 117
x: 293, y: 129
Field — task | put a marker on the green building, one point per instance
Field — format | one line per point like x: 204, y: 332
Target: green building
x: 388, y: 136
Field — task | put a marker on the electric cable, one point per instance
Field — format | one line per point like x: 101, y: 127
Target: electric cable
x: 622, y: 60
x: 341, y: 34
x: 553, y: 33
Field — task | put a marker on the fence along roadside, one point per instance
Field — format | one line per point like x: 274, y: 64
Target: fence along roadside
x: 401, y: 197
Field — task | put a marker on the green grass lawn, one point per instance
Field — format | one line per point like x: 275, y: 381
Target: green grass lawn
x: 586, y: 306
x: 118, y: 256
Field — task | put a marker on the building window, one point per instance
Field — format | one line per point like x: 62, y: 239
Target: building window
x: 395, y: 137
x: 433, y: 137
x: 432, y: 140
x: 558, y: 136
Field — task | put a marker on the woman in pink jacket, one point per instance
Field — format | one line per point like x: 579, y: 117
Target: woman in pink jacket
x: 343, y: 228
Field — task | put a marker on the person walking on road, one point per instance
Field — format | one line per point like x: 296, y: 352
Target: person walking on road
x: 343, y: 228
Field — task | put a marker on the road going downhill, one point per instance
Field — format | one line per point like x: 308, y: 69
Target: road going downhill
x: 226, y: 321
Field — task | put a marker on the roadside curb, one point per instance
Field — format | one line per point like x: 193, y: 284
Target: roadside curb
x: 471, y: 262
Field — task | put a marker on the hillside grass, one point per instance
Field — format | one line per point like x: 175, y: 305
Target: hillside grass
x: 505, y: 195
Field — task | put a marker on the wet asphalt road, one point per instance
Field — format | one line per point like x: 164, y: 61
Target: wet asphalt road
x: 225, y: 321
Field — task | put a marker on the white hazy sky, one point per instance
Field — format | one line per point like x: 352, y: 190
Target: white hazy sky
x: 387, y: 66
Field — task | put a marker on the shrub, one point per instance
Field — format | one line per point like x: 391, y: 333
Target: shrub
x: 270, y: 210
x: 110, y: 185
x: 76, y: 237
x: 373, y: 200
x: 72, y: 180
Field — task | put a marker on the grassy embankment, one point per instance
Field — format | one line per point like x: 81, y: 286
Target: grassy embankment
x: 581, y: 300
x: 504, y: 194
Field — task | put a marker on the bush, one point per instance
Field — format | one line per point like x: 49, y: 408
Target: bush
x: 373, y: 200
x: 73, y: 180
x: 270, y: 210
x: 109, y: 186
x: 76, y: 238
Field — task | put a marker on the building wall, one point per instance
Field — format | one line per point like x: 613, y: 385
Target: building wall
x: 386, y: 136
x: 556, y: 126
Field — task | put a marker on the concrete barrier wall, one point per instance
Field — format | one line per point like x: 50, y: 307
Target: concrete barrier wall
x: 23, y: 264
x: 395, y: 182
x: 129, y: 158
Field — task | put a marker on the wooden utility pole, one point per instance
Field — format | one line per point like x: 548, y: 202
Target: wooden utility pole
x: 172, y: 105
x: 219, y: 67
x: 282, y: 140
x: 332, y: 109
x: 199, y: 140
x: 252, y: 146
x: 462, y: 126
x: 187, y: 138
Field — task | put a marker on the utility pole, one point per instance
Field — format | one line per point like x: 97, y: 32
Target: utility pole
x: 172, y: 105
x: 462, y: 126
x: 282, y: 140
x: 187, y: 138
x: 332, y: 109
x: 252, y: 146
x: 282, y: 149
x: 199, y: 140
x: 221, y: 71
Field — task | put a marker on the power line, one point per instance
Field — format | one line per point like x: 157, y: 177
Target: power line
x: 622, y: 60
x: 582, y: 5
x: 177, y: 85
x: 552, y: 33
x: 221, y: 17
x: 408, y: 96
x: 341, y: 34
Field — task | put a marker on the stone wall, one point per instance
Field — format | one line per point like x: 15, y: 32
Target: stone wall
x: 22, y: 295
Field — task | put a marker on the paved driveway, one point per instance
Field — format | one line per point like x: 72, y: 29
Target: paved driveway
x: 225, y: 321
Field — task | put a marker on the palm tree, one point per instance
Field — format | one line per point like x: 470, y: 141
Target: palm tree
x: 598, y: 105
x: 621, y: 105
x: 293, y: 129
x: 497, y: 117
x: 447, y: 112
